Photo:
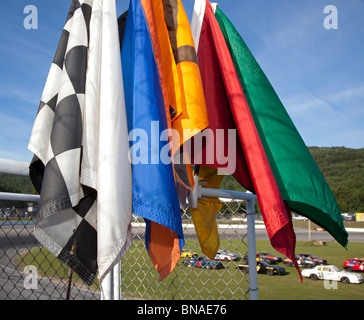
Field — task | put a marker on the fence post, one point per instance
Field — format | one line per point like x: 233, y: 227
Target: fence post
x: 253, y: 279
x: 250, y: 199
x: 111, y: 284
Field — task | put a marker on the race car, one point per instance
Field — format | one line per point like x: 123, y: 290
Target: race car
x: 330, y: 272
x: 270, y: 256
x: 263, y: 267
x: 190, y: 262
x: 204, y: 262
x: 187, y: 253
x: 302, y: 262
x: 258, y: 258
x: 313, y: 258
x: 226, y: 255
x: 263, y: 257
x: 354, y: 265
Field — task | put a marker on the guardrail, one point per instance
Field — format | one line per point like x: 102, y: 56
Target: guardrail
x: 19, y: 168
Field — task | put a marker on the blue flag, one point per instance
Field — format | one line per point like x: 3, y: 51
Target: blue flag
x: 154, y: 192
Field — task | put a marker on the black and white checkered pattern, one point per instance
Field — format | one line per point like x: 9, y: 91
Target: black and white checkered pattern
x: 67, y: 209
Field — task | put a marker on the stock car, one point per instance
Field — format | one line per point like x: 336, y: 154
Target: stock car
x: 313, y: 258
x: 226, y: 255
x: 330, y: 272
x: 187, y: 253
x: 270, y: 256
x: 302, y: 262
x: 190, y: 262
x: 258, y: 258
x: 202, y: 262
x: 354, y: 265
x: 263, y: 267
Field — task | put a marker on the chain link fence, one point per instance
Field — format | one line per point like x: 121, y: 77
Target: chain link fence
x: 28, y: 271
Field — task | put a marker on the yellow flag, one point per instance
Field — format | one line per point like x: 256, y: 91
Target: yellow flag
x: 204, y: 217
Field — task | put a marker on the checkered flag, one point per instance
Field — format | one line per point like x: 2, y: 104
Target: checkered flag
x: 80, y: 145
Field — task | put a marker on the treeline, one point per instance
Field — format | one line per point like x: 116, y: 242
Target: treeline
x: 15, y: 184
x: 343, y: 169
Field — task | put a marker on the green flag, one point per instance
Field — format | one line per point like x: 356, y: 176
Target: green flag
x: 300, y: 181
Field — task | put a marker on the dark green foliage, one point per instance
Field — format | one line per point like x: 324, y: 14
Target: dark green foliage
x: 343, y: 169
x: 15, y: 184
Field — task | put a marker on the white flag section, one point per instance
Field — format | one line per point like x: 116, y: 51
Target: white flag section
x: 80, y: 145
x: 114, y: 176
x: 197, y: 20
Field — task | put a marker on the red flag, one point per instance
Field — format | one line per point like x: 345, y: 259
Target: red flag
x: 228, y: 109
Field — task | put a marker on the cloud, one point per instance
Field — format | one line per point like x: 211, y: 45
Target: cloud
x: 14, y: 136
x: 329, y: 118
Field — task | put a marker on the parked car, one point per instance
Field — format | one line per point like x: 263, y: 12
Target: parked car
x: 270, y: 256
x: 263, y: 267
x: 204, y: 262
x: 302, y: 262
x: 262, y: 257
x: 226, y: 255
x: 354, y: 265
x: 313, y: 258
x: 287, y: 261
x: 259, y: 258
x: 187, y: 253
x: 331, y: 272
x: 191, y: 261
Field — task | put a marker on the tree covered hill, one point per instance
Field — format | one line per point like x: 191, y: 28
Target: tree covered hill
x: 343, y: 169
x: 15, y: 184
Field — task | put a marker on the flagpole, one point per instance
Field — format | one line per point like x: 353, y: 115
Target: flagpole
x: 111, y: 284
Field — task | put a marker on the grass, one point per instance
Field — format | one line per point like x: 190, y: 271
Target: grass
x: 140, y: 279
x: 48, y: 266
x: 289, y: 287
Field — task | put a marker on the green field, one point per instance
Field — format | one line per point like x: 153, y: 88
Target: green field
x: 141, y: 280
x: 225, y: 283
x: 289, y: 287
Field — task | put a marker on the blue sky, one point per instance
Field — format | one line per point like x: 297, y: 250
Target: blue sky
x: 317, y: 73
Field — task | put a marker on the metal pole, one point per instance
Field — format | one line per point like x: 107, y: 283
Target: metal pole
x: 221, y: 193
x: 111, y: 286
x: 250, y: 199
x: 117, y: 281
x: 309, y: 230
x: 253, y: 278
x: 19, y: 168
x: 19, y: 197
x: 107, y: 286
